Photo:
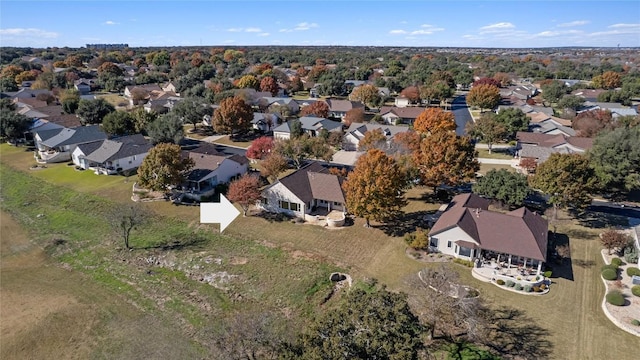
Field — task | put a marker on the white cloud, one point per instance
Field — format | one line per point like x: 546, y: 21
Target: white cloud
x: 624, y: 26
x: 426, y: 29
x: 305, y: 26
x: 498, y: 27
x: 256, y: 30
x: 235, y: 30
x: 574, y: 23
x: 550, y: 33
x: 264, y: 34
x: 397, y: 32
x: 109, y: 22
x: 28, y: 32
x: 285, y: 30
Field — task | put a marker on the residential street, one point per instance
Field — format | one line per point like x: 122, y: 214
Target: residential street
x: 461, y: 112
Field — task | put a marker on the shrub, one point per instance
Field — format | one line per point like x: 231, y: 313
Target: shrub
x: 547, y: 274
x: 616, y: 261
x: 417, y: 239
x: 510, y: 283
x: 467, y: 263
x: 500, y: 282
x: 609, y: 274
x: 610, y: 266
x: 527, y: 288
x: 635, y: 322
x: 635, y: 290
x: 615, y: 297
x: 518, y: 287
x: 631, y: 271
x: 543, y: 287
x: 536, y: 288
x: 631, y: 255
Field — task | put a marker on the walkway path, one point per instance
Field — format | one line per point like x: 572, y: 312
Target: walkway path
x: 497, y: 161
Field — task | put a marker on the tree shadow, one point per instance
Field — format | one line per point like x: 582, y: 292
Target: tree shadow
x: 403, y: 224
x: 599, y: 220
x: 193, y: 241
x: 513, y: 334
x: 560, y: 267
x: 274, y: 217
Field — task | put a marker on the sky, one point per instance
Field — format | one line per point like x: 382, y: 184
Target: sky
x: 491, y: 24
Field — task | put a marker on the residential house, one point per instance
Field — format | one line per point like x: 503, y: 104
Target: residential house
x: 356, y: 132
x: 540, y: 146
x: 160, y: 102
x: 147, y: 88
x: 521, y: 92
x: 401, y: 101
x: 339, y: 108
x: 264, y: 122
x: 310, y: 125
x: 400, y: 115
x: 211, y: 168
x: 310, y: 189
x: 112, y: 156
x: 84, y: 85
x: 57, y: 145
x: 170, y: 87
x: 468, y: 230
x: 267, y: 102
x: 588, y: 94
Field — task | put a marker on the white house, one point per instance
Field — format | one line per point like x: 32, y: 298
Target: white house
x: 56, y: 145
x: 211, y: 169
x: 112, y: 156
x: 357, y: 131
x: 310, y: 125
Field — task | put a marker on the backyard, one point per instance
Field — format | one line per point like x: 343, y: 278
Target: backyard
x: 570, y: 320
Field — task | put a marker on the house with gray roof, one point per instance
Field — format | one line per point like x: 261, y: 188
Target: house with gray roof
x: 310, y: 189
x: 356, y: 132
x: 112, y: 156
x: 540, y: 146
x: 310, y: 125
x: 210, y: 169
x: 57, y: 145
x: 339, y: 108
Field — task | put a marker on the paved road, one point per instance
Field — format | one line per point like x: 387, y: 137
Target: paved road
x: 461, y: 112
x: 227, y: 150
x: 614, y: 208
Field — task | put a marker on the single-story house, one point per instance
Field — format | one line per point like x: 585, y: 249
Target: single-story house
x: 394, y: 115
x: 468, y: 230
x: 160, y: 102
x: 357, y: 131
x: 310, y: 125
x: 268, y: 101
x: 264, y: 121
x: 148, y: 88
x: 84, y: 85
x: 540, y: 146
x: 339, y: 108
x: 111, y: 156
x: 312, y: 188
x: 211, y: 168
x: 549, y: 126
x: 57, y: 145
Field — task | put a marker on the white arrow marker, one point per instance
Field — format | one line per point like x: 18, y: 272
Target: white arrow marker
x: 223, y: 213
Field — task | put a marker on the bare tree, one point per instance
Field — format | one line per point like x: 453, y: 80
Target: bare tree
x: 125, y: 218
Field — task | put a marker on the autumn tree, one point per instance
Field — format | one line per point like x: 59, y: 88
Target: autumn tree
x: 412, y: 93
x: 445, y: 158
x: 615, y: 158
x: 245, y: 191
x: 528, y: 164
x: 374, y: 139
x: 163, y: 167
x: 124, y: 218
x: 166, y: 128
x: 355, y: 115
x: 591, y: 123
x: 118, y: 123
x: 434, y: 120
x: 438, y: 90
x: 296, y: 85
x: 93, y: 111
x: 487, y: 81
x: 366, y: 94
x: 375, y: 188
x: 502, y: 78
x: 567, y: 179
x: 484, y: 96
x: 248, y: 82
x: 260, y: 148
x: 318, y: 109
x: 513, y: 120
x: 613, y: 239
x: 273, y: 165
x: 269, y: 84
x: 109, y: 68
x: 487, y: 129
x: 608, y: 80
x: 233, y: 116
x: 507, y: 187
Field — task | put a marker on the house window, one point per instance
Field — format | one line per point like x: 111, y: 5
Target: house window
x: 264, y: 201
x: 294, y: 206
x: 335, y: 203
x: 433, y: 242
x: 284, y: 204
x: 448, y: 244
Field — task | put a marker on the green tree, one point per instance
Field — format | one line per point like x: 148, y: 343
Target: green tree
x: 484, y: 96
x: 233, y: 116
x: 166, y: 129
x: 13, y: 125
x: 572, y: 102
x: 164, y: 166
x: 487, y: 129
x: 375, y: 188
x: 567, y: 179
x: 191, y: 110
x: 6, y: 85
x: 513, y: 120
x: 248, y: 82
x: 615, y: 157
x: 93, y: 111
x: 365, y: 325
x: 553, y: 91
x: 118, y: 123
x: 507, y: 187
x: 70, y: 100
x: 142, y: 119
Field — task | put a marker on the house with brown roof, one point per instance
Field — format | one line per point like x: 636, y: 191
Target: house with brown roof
x: 540, y: 146
x: 469, y: 230
x: 338, y: 108
x: 394, y: 115
x: 357, y: 131
x: 210, y: 169
x: 309, y: 189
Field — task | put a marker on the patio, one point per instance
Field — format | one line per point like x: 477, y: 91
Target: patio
x: 492, y: 271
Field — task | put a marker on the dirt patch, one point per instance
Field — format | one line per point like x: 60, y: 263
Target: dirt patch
x: 424, y: 256
x: 238, y: 261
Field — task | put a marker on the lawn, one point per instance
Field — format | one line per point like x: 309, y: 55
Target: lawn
x: 227, y: 141
x: 569, y: 316
x: 118, y: 101
x: 495, y: 154
x: 484, y: 168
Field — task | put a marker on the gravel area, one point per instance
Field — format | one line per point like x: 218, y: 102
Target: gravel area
x: 622, y: 315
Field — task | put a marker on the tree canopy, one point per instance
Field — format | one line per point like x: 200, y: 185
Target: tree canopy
x: 166, y: 128
x: 118, y: 123
x: 245, y: 191
x: 191, y: 109
x: 484, y: 96
x: 487, y: 129
x: 13, y: 125
x: 615, y: 157
x: 433, y: 120
x: 260, y: 148
x: 374, y: 189
x: 513, y: 120
x: 93, y: 111
x: 505, y: 186
x: 164, y: 166
x: 233, y: 116
x: 318, y: 109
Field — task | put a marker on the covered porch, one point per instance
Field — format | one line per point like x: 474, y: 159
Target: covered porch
x: 509, y: 264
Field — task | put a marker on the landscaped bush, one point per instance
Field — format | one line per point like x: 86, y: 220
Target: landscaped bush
x: 543, y: 287
x: 636, y: 290
x: 631, y: 271
x: 467, y: 263
x: 609, y: 274
x: 547, y: 274
x: 630, y: 255
x: 510, y: 283
x: 518, y: 287
x: 536, y: 288
x: 635, y: 322
x: 616, y: 261
x: 500, y: 282
x: 610, y: 266
x: 527, y: 288
x: 615, y: 297
x: 417, y: 239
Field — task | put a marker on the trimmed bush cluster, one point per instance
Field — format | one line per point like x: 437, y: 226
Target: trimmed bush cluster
x: 616, y: 261
x: 610, y: 266
x: 631, y: 271
x: 510, y: 283
x: 518, y: 287
x: 635, y: 322
x: 500, y: 282
x: 635, y: 290
x: 609, y: 274
x: 527, y: 288
x: 614, y: 297
x: 536, y: 288
x: 547, y: 274
x: 464, y: 262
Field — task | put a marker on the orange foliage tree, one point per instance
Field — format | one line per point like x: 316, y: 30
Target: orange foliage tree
x: 373, y: 139
x: 375, y: 188
x: 318, y: 108
x: 269, y: 84
x: 355, y: 115
x: 608, y: 80
x: 244, y: 191
x: 412, y: 93
x: 366, y: 94
x: 484, y: 96
x: 445, y: 158
x: 433, y: 120
x: 273, y: 165
x: 260, y: 148
x: 233, y: 116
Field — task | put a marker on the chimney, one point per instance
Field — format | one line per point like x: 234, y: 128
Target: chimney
x: 477, y: 212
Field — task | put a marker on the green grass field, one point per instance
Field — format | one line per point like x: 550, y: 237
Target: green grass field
x: 495, y: 154
x: 280, y: 265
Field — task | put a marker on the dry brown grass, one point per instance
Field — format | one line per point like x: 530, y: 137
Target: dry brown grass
x: 226, y: 141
